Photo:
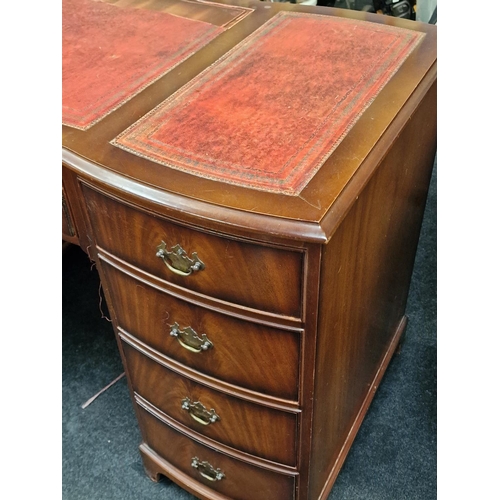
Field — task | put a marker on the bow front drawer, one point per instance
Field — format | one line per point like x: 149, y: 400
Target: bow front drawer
x: 224, y: 418
x: 218, y: 471
x: 238, y: 352
x: 261, y: 277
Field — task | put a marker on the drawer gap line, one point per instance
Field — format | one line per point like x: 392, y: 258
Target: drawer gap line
x: 219, y: 447
x: 228, y: 308
x: 224, y: 387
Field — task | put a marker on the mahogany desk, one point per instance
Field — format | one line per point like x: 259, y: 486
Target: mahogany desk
x: 256, y: 314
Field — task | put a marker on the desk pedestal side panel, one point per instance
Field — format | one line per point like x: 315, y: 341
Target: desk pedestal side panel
x: 366, y: 270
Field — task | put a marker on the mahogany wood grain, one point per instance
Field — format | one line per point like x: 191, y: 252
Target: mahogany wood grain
x: 212, y: 303
x: 210, y: 443
x: 242, y: 481
x: 243, y: 353
x: 241, y: 425
x: 230, y: 265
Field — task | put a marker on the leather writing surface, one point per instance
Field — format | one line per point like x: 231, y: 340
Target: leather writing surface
x: 110, y: 53
x: 268, y: 113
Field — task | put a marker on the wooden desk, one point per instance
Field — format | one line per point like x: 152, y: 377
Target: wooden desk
x: 255, y: 321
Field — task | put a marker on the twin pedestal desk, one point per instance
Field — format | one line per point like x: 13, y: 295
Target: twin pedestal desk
x: 250, y: 179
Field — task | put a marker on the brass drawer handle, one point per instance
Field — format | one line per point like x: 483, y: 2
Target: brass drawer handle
x: 206, y: 470
x: 199, y: 413
x: 189, y: 339
x: 177, y: 260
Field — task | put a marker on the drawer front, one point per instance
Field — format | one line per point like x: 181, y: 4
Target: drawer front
x: 241, y: 480
x: 242, y: 353
x: 226, y: 419
x: 252, y: 275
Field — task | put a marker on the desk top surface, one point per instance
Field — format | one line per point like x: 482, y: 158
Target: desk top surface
x: 264, y: 109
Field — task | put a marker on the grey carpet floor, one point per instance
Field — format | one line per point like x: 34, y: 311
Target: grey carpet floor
x: 393, y: 456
